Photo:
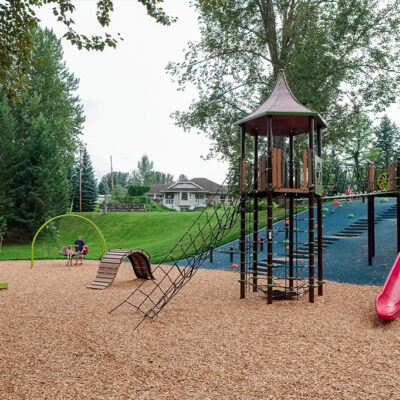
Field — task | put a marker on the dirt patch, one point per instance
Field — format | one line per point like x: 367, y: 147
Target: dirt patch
x: 58, y: 341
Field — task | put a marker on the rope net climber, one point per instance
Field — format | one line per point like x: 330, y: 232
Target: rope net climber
x: 208, y: 230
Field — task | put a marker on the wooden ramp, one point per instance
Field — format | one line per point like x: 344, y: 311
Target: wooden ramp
x: 111, y: 261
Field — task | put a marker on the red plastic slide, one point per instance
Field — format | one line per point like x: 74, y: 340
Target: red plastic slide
x: 388, y: 300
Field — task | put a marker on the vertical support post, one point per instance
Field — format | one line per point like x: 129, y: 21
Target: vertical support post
x: 231, y: 254
x: 373, y: 225
x: 291, y: 211
x: 211, y: 253
x: 242, y: 241
x: 255, y: 214
x: 269, y: 211
x: 398, y: 204
x: 319, y: 222
x: 311, y: 243
x: 370, y: 224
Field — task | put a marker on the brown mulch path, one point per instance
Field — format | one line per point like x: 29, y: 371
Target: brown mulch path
x: 58, y: 341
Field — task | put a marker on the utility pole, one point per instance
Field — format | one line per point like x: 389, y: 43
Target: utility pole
x: 112, y: 178
x: 80, y: 179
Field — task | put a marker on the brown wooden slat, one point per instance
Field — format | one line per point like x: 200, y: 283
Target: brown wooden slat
x: 98, y: 283
x: 105, y: 274
x: 114, y: 256
x: 111, y: 260
x: 113, y: 265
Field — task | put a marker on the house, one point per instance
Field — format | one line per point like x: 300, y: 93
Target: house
x: 189, y: 195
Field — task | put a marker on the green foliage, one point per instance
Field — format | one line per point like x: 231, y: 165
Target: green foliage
x: 119, y: 195
x: 84, y: 170
x: 18, y: 21
x: 335, y: 54
x: 387, y: 141
x: 119, y: 178
x: 7, y: 158
x: 41, y: 188
x: 138, y: 190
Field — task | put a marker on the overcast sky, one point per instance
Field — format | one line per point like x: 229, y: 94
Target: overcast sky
x: 127, y: 95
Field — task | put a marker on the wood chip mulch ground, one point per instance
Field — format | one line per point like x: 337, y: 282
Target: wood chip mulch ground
x: 58, y: 341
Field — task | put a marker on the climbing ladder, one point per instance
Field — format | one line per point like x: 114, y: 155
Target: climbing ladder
x: 111, y: 261
x: 185, y: 258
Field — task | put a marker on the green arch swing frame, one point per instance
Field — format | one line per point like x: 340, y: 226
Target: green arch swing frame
x: 96, y: 228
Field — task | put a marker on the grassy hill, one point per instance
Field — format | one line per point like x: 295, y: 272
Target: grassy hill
x: 156, y: 232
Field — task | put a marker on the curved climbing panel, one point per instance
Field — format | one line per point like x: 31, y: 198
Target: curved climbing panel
x: 111, y: 261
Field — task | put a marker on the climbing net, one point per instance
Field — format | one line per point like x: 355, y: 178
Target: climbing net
x: 208, y: 230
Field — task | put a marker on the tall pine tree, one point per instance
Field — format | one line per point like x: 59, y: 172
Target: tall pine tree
x: 7, y: 159
x: 40, y: 139
x: 84, y: 171
x: 387, y: 140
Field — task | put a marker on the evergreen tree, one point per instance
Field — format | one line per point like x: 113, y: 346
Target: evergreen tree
x: 84, y: 170
x: 7, y: 159
x: 387, y: 140
x: 41, y: 186
x: 48, y: 121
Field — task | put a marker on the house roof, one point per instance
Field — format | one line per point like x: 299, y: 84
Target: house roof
x: 201, y: 185
x: 156, y: 188
x: 288, y: 115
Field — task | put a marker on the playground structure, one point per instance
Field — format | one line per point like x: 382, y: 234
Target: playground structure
x: 284, y: 173
x: 46, y: 224
x: 274, y: 175
x: 111, y: 261
x: 279, y: 175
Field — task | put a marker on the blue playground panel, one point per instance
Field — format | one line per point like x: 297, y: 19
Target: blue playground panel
x: 345, y: 260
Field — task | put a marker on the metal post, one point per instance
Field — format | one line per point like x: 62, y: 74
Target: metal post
x: 373, y: 225
x: 242, y: 242
x: 370, y: 224
x: 269, y: 211
x: 311, y: 214
x: 211, y: 253
x: 255, y: 214
x: 291, y: 212
x: 319, y: 222
x: 261, y: 244
x: 231, y: 254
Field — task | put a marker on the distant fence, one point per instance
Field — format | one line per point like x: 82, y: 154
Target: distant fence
x: 123, y: 207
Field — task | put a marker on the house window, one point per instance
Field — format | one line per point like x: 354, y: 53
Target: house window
x: 199, y: 196
x: 184, y: 196
x: 222, y: 197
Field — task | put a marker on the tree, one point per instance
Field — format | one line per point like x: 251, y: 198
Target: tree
x: 182, y: 178
x: 333, y: 53
x: 18, y: 21
x: 84, y: 173
x: 387, y: 140
x: 7, y: 158
x: 43, y: 131
x: 41, y: 189
x: 120, y: 178
x: 144, y: 174
x: 161, y: 177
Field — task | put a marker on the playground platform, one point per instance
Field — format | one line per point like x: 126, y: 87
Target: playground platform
x: 345, y: 252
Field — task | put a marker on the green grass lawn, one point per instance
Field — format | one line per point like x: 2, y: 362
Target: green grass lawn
x: 156, y: 232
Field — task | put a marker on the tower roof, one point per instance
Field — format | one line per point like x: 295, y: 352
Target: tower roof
x: 288, y: 115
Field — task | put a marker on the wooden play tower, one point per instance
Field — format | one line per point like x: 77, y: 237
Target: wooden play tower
x: 274, y: 175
